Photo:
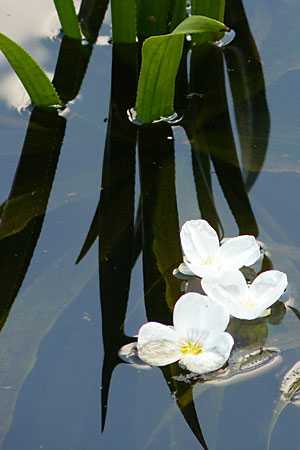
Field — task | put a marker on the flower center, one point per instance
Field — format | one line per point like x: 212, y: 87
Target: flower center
x: 247, y: 302
x: 211, y: 260
x: 190, y: 348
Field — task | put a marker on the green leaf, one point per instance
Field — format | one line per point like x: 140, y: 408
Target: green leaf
x: 209, y: 8
x: 35, y: 81
x: 160, y: 60
x: 152, y: 18
x: 199, y: 24
x: 123, y: 14
x: 68, y: 18
x: 177, y: 12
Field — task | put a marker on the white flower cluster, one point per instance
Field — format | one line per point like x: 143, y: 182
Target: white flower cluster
x: 198, y: 339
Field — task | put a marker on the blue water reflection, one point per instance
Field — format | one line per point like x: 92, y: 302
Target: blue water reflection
x: 51, y: 344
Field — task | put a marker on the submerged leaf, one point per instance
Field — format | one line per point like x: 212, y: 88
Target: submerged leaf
x: 34, y: 80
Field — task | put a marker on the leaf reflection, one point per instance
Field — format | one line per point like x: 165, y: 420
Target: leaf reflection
x: 23, y: 213
x: 155, y: 229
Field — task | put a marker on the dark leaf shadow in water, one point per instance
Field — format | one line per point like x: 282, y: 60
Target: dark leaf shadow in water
x: 160, y: 225
x: 90, y: 16
x: 201, y: 168
x: 24, y: 211
x: 216, y: 137
x: 113, y: 221
x: 156, y: 229
x: 71, y: 66
x: 161, y: 245
x: 248, y: 91
x: 183, y: 393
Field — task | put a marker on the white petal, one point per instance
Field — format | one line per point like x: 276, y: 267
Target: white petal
x: 203, y: 363
x: 194, y: 314
x: 187, y: 313
x: 267, y: 288
x: 203, y: 270
x: 129, y: 354
x: 199, y: 241
x: 183, y: 268
x: 157, y: 344
x: 229, y: 288
x: 240, y: 251
x: 220, y: 343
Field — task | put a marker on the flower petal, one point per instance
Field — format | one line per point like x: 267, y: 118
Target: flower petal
x: 157, y: 344
x: 240, y: 251
x: 199, y: 242
x: 203, y: 363
x: 229, y: 289
x: 229, y: 285
x: 195, y: 313
x: 183, y: 268
x: 267, y: 288
x: 220, y: 343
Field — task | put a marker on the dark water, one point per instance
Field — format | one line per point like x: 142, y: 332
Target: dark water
x: 59, y: 329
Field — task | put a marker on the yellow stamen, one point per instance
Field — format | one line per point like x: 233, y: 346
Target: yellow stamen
x: 211, y: 260
x: 190, y: 348
x: 208, y: 261
x: 247, y: 302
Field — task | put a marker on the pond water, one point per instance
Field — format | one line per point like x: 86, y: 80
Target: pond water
x: 233, y: 159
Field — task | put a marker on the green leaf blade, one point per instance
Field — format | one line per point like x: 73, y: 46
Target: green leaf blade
x: 68, y: 18
x: 123, y: 14
x: 156, y: 84
x: 209, y: 8
x: 160, y: 61
x: 34, y: 80
x: 152, y: 18
x: 200, y: 24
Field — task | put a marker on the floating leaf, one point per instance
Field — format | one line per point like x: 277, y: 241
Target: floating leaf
x: 35, y: 81
x: 160, y: 60
x: 68, y: 18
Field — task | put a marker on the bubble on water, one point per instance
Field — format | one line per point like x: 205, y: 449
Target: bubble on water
x: 226, y: 39
x: 173, y: 119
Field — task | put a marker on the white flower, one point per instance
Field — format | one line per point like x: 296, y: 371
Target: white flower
x: 204, y: 255
x: 242, y: 300
x: 197, y: 340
